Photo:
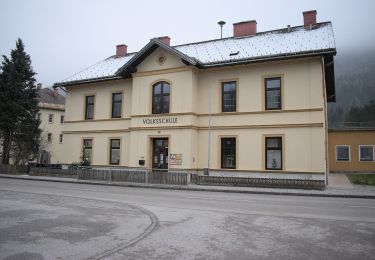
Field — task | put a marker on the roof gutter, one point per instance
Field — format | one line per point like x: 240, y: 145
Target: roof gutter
x: 198, y: 64
x: 92, y: 80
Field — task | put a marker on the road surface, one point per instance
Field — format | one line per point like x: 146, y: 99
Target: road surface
x: 48, y: 220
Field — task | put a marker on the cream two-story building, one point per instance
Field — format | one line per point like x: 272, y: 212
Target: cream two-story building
x: 51, y: 114
x: 249, y: 105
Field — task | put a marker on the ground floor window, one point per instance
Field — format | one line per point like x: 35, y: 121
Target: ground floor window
x: 342, y: 153
x: 114, y: 154
x: 228, y: 153
x: 274, y: 153
x: 87, y: 150
x: 366, y: 153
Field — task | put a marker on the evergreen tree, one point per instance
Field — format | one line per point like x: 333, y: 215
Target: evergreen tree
x: 18, y: 103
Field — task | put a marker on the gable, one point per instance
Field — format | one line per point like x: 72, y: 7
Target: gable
x: 160, y: 59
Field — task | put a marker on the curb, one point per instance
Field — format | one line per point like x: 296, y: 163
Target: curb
x: 172, y: 187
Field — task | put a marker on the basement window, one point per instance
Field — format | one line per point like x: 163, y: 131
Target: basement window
x: 343, y: 153
x: 366, y: 153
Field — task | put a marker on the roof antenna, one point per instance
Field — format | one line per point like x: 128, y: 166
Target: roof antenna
x: 221, y: 23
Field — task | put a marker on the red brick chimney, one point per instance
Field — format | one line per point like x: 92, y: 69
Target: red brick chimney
x: 121, y: 50
x: 165, y: 39
x: 246, y: 28
x: 309, y: 18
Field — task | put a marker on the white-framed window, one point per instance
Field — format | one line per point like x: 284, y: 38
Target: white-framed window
x: 366, y: 153
x: 50, y: 118
x: 49, y: 138
x: 61, y: 139
x: 343, y: 153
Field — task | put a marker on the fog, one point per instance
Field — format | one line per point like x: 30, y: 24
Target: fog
x: 64, y: 37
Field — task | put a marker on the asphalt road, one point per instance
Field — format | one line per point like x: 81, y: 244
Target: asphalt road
x: 47, y: 220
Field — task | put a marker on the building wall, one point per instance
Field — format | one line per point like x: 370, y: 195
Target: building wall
x: 301, y: 121
x: 55, y: 148
x: 353, y: 139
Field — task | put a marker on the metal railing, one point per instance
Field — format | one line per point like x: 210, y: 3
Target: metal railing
x: 13, y: 169
x: 117, y: 175
x: 258, y: 182
x: 170, y: 177
x: 52, y: 172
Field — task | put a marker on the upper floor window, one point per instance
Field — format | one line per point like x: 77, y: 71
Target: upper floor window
x: 160, y: 97
x: 272, y: 93
x: 89, y: 111
x: 61, y: 139
x: 228, y: 96
x: 116, y: 105
x: 62, y: 119
x: 366, y: 153
x: 342, y: 153
x: 49, y: 138
x: 50, y: 118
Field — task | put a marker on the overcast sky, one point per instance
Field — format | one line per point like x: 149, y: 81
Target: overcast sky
x: 64, y: 37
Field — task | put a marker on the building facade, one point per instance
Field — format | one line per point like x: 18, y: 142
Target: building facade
x: 351, y: 150
x: 52, y: 116
x: 249, y: 105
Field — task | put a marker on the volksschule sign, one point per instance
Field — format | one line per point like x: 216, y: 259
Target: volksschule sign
x: 160, y: 120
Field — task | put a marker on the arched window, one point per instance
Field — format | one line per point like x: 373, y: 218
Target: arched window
x: 160, y: 97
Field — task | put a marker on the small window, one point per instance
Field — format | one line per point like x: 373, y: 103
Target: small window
x: 342, y: 153
x: 366, y: 153
x: 61, y: 138
x: 89, y: 113
x: 50, y: 118
x: 228, y: 96
x: 114, y: 151
x: 116, y: 105
x: 228, y: 153
x: 272, y: 93
x: 62, y: 119
x: 49, y: 138
x: 274, y: 153
x: 87, y: 150
x: 38, y: 116
x: 160, y: 98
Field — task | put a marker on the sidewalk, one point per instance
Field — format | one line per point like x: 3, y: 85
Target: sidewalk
x: 339, y: 180
x: 358, y: 191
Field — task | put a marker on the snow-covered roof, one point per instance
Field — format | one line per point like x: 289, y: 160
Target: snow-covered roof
x: 280, y: 42
x: 104, y: 69
x: 265, y: 45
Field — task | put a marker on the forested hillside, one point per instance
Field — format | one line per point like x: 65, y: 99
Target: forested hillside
x: 355, y: 89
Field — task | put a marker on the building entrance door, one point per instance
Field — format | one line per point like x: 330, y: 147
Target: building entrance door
x: 160, y: 153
